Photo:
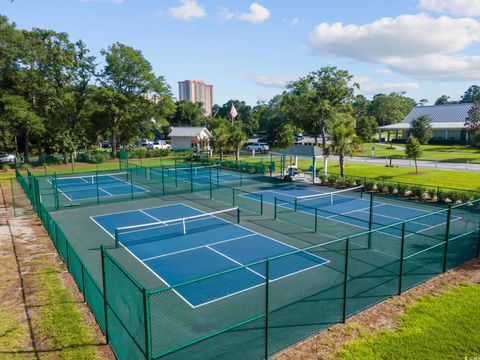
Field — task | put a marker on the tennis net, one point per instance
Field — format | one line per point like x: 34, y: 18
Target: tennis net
x: 329, y: 199
x: 160, y: 230
x: 196, y: 171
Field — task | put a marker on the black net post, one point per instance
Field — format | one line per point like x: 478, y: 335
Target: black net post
x: 218, y: 175
x: 400, y: 271
x: 316, y: 219
x: 105, y: 302
x: 267, y: 297
x: 233, y: 196
x: 345, y: 280
x: 296, y: 204
x: 447, y: 232
x: 238, y: 215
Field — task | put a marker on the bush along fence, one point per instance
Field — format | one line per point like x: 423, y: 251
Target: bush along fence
x: 143, y: 319
x: 408, y: 191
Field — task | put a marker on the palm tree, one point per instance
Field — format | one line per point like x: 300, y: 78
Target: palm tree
x: 237, y: 138
x: 221, y: 138
x: 344, y: 142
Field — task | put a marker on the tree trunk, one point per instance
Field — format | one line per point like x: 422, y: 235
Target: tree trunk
x: 114, y: 142
x: 342, y: 164
x: 221, y: 154
x: 416, y: 168
x: 26, y: 148
x: 323, y: 137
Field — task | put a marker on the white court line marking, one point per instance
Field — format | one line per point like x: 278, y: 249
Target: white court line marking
x: 152, y: 217
x: 145, y: 265
x: 196, y: 247
x: 322, y: 262
x: 235, y: 261
x: 105, y: 191
x: 351, y: 211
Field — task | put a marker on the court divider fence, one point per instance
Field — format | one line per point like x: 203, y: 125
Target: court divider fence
x: 142, y: 321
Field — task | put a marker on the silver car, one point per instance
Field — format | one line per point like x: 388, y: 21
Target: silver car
x: 7, y: 158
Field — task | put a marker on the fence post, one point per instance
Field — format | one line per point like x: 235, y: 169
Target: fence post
x: 275, y: 207
x: 146, y: 314
x: 447, y: 231
x: 401, y: 259
x: 191, y: 177
x: 345, y: 279
x: 267, y: 296
x: 210, y: 181
x: 98, y: 190
x: 176, y: 180
x: 478, y: 242
x: 13, y: 197
x: 370, y: 221
x: 163, y: 181
x: 105, y: 302
x: 84, y: 290
x: 131, y: 182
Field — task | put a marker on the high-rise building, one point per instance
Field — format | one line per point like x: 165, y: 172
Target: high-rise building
x: 197, y: 91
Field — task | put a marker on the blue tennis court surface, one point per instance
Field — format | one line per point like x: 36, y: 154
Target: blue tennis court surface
x: 350, y: 208
x: 209, y: 245
x: 91, y: 186
x: 200, y: 175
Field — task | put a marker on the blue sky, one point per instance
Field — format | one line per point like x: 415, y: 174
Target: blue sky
x: 249, y: 50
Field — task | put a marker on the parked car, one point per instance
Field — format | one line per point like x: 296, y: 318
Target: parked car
x: 298, y: 137
x: 158, y: 144
x: 144, y: 142
x: 7, y: 158
x: 261, y: 147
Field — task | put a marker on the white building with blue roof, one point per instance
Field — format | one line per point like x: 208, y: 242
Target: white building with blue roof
x: 448, y: 123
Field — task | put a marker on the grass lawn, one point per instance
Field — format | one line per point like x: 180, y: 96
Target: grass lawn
x: 449, y: 153
x: 61, y: 321
x: 440, y: 327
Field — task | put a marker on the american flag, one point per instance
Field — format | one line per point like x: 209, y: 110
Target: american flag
x: 233, y: 112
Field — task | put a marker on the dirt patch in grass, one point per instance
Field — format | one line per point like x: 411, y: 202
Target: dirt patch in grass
x: 413, y: 173
x: 379, y: 317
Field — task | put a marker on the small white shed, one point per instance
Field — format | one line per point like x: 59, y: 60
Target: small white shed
x: 190, y: 138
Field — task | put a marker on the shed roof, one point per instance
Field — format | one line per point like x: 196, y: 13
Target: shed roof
x: 303, y: 151
x: 189, y: 131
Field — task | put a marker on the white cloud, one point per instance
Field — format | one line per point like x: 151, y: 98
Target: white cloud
x: 454, y: 7
x: 224, y: 14
x: 274, y: 81
x: 187, y: 10
x: 406, y: 44
x: 103, y: 1
x: 368, y: 87
x: 257, y: 14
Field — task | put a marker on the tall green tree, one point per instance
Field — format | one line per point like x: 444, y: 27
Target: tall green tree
x: 471, y: 95
x: 472, y: 122
x: 220, y: 135
x: 126, y: 78
x: 314, y: 101
x: 390, y: 109
x: 413, y: 150
x: 421, y: 128
x: 245, y: 115
x: 286, y: 135
x: 444, y: 99
x: 237, y: 138
x: 187, y: 114
x: 344, y: 141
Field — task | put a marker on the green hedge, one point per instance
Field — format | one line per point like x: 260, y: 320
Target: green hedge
x: 147, y: 153
x: 94, y: 156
